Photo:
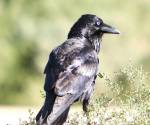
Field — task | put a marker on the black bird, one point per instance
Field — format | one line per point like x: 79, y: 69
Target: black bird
x: 72, y: 69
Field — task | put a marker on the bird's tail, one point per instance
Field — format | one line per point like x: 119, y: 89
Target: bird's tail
x: 55, y: 110
x: 62, y: 118
x: 46, y: 108
x: 60, y: 109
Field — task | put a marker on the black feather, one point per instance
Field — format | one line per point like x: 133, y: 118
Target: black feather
x: 71, y: 71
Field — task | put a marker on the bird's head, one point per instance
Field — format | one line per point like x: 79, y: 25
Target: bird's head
x: 90, y: 25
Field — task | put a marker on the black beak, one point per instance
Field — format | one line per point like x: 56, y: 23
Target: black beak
x: 108, y: 29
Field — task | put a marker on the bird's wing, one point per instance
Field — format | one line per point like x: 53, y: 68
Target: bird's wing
x: 78, y: 75
x: 70, y: 71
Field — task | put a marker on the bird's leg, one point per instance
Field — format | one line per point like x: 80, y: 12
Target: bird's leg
x: 85, y: 105
x: 86, y: 110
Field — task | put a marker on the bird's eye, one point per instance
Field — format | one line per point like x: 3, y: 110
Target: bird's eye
x: 98, y: 23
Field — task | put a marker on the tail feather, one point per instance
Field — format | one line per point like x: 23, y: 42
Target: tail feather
x: 55, y: 109
x: 46, y: 109
x: 62, y: 118
x: 62, y: 105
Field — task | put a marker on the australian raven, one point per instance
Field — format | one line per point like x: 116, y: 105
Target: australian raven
x: 72, y: 69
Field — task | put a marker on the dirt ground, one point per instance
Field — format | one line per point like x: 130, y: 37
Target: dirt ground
x: 10, y: 115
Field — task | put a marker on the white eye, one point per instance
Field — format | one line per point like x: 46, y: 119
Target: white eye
x: 98, y: 23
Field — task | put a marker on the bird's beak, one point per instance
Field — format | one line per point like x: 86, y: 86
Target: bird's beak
x: 109, y: 29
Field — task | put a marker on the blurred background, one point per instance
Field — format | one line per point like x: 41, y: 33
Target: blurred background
x: 30, y: 29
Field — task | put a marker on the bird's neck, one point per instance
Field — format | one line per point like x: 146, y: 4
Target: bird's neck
x: 95, y: 42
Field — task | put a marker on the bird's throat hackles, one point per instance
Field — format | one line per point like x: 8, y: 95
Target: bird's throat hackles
x: 94, y: 41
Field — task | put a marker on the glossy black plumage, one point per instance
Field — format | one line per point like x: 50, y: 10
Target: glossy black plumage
x: 72, y: 69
